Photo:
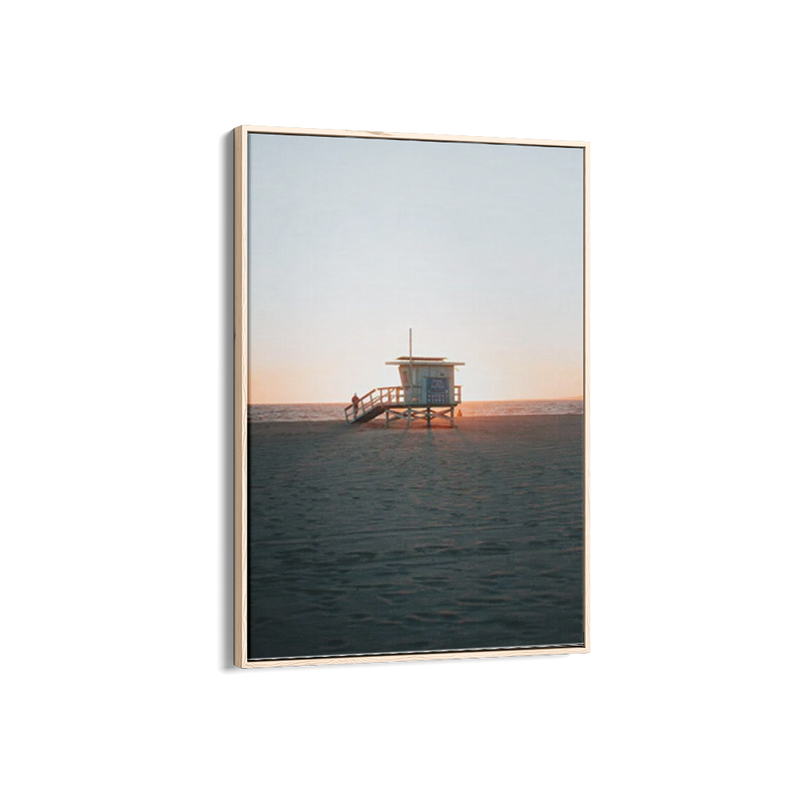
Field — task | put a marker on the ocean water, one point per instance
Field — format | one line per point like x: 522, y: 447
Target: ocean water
x: 321, y: 412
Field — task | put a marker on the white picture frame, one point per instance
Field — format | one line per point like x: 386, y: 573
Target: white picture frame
x: 243, y: 134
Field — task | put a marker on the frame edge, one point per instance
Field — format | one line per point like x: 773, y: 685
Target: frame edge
x: 240, y: 394
x: 587, y: 439
x: 240, y: 403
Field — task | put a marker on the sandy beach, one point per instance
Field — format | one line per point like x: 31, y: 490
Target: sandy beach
x: 367, y: 539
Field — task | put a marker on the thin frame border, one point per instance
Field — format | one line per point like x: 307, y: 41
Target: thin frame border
x: 241, y: 381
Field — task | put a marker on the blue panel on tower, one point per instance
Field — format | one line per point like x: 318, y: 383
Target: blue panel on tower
x: 438, y: 391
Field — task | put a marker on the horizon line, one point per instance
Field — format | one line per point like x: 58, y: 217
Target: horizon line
x: 504, y: 400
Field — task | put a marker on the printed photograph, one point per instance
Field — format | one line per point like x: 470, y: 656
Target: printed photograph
x: 416, y: 380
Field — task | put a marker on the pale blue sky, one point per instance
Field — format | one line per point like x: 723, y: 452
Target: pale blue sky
x: 477, y: 247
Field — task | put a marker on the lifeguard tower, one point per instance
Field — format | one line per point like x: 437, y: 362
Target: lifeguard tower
x: 428, y: 391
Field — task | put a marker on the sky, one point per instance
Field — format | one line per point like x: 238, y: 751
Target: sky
x: 351, y: 242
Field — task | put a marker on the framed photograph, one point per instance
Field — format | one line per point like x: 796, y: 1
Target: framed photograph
x: 411, y: 396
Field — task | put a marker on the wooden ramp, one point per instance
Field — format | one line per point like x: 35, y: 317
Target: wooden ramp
x: 366, y: 416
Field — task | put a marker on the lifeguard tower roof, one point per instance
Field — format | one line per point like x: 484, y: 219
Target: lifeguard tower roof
x: 439, y: 362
